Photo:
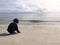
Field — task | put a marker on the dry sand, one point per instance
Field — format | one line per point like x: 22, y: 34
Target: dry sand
x: 31, y: 35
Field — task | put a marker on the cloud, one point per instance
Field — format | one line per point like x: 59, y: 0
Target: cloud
x: 7, y: 4
x: 29, y: 5
x: 20, y: 5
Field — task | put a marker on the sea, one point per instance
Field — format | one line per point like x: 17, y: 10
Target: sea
x: 29, y: 19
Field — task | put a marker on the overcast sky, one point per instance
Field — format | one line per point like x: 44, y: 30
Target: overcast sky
x: 19, y: 5
x: 30, y: 5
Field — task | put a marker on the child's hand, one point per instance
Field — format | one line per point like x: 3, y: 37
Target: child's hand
x: 19, y: 32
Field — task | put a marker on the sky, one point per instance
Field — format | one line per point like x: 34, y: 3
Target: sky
x: 20, y: 5
x: 30, y: 5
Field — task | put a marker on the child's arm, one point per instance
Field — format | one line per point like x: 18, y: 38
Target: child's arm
x: 17, y: 29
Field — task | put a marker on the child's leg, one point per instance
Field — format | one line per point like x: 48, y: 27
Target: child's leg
x: 12, y: 32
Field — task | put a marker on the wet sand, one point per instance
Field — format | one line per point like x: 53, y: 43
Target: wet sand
x: 31, y: 35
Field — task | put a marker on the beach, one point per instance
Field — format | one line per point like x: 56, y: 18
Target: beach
x: 38, y: 21
x: 31, y: 35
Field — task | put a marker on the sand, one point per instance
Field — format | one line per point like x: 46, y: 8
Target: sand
x: 31, y: 35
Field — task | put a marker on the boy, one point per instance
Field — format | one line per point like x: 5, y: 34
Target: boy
x: 13, y: 27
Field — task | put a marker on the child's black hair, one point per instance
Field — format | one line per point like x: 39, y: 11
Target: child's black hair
x: 16, y: 20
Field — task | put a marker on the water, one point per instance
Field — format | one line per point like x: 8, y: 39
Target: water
x: 24, y: 20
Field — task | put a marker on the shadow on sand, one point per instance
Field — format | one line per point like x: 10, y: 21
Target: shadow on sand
x: 5, y: 34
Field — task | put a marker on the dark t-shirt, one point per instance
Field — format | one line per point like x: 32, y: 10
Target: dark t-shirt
x: 12, y: 28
